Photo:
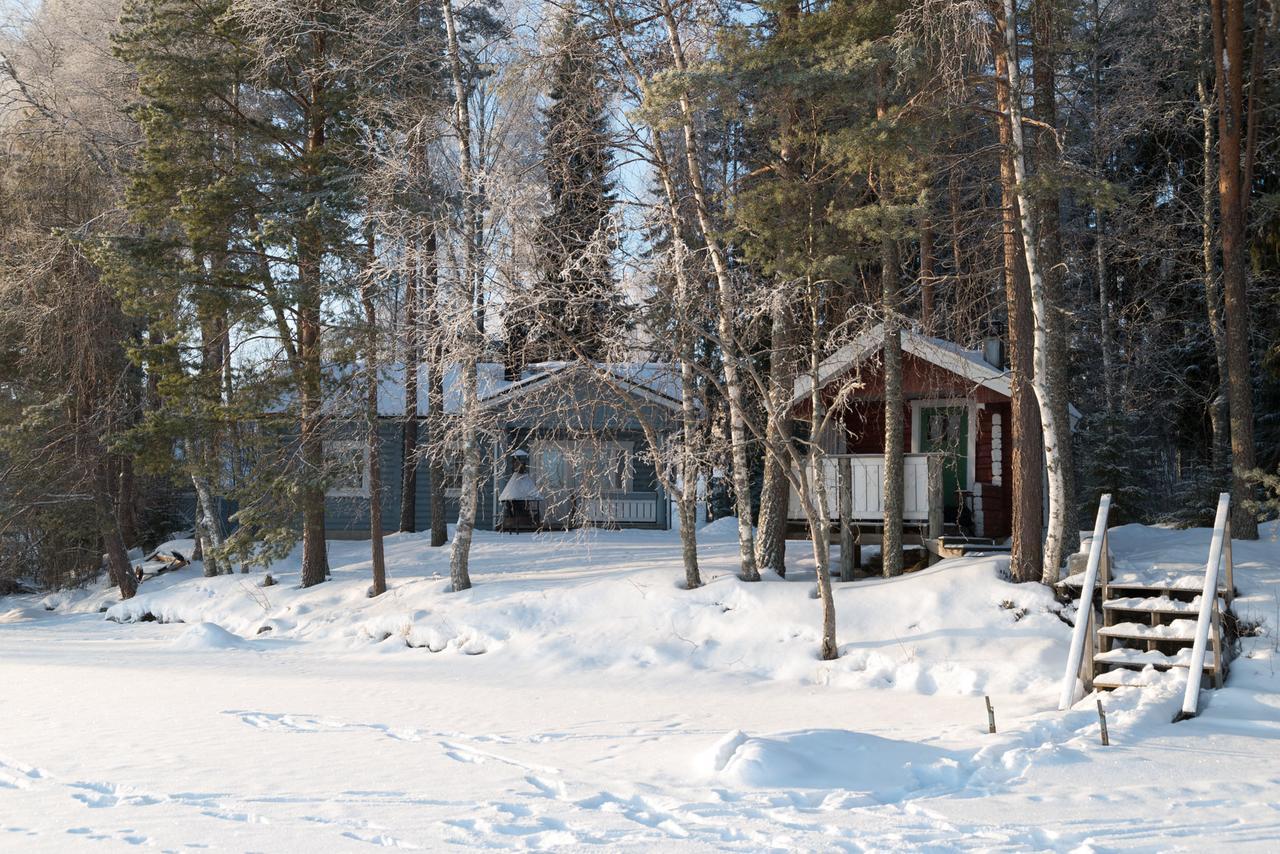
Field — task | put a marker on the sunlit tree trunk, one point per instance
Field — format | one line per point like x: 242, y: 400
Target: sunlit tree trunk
x: 1043, y: 332
x: 1026, y: 482
x: 726, y: 319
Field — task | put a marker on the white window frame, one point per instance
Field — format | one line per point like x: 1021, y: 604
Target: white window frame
x: 971, y: 450
x: 362, y: 447
x: 452, y: 451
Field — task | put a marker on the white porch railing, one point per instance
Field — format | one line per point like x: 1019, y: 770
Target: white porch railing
x: 1080, y: 653
x: 867, y: 487
x: 634, y: 508
x: 1209, y: 621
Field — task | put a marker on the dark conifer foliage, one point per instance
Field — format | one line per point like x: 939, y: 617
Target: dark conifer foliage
x: 577, y: 236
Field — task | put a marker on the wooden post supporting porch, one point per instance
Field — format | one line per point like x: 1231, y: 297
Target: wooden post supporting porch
x: 935, y: 508
x: 850, y: 550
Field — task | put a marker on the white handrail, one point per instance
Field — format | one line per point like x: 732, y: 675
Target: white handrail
x: 1075, y: 655
x: 1208, y: 601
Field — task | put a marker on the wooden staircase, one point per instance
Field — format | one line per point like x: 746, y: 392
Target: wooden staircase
x: 1151, y: 618
x: 1152, y: 623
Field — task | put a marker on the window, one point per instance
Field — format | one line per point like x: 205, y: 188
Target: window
x: 582, y: 466
x: 452, y: 469
x: 347, y: 465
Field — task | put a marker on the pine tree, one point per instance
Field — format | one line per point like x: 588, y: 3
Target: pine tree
x: 247, y: 186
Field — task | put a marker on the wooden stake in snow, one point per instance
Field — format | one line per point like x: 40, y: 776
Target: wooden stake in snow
x: 1102, y: 721
x: 991, y: 716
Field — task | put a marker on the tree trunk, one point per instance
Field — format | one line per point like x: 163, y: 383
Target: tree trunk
x: 409, y: 430
x: 128, y: 501
x: 726, y: 304
x: 1106, y: 345
x: 435, y: 469
x: 1025, y: 479
x: 118, y: 566
x: 210, y: 527
x: 377, y: 554
x: 928, y: 319
x: 1043, y: 332
x: 891, y: 542
x: 197, y: 535
x: 1218, y: 416
x: 1050, y: 219
x: 459, y: 556
x: 1234, y: 164
x: 310, y: 249
x: 771, y: 531
x: 688, y: 498
x: 813, y: 494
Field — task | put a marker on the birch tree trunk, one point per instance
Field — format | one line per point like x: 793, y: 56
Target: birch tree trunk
x: 459, y: 556
x: 1052, y: 429
x: 726, y: 314
x: 814, y: 497
x: 210, y: 528
x: 688, y: 498
x: 1026, y: 483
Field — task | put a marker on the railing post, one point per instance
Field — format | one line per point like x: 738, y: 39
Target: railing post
x: 844, y: 483
x: 1217, y: 645
x: 1080, y: 635
x: 1231, y: 580
x: 1208, y: 605
x: 934, y: 471
x: 1086, y: 660
x: 1105, y: 569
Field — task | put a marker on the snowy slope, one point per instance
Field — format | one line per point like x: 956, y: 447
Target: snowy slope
x: 578, y: 699
x: 613, y: 602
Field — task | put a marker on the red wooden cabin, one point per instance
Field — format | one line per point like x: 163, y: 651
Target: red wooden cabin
x: 956, y: 404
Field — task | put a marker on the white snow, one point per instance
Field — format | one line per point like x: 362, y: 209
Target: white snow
x: 577, y: 698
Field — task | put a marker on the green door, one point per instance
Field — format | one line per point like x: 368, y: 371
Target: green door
x: 945, y: 430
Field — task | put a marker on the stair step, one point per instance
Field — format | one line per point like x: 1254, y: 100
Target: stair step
x: 1139, y: 659
x: 1157, y: 580
x: 1157, y: 605
x: 1127, y: 679
x: 1178, y: 630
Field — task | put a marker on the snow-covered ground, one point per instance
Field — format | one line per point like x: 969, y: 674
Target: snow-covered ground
x: 577, y: 698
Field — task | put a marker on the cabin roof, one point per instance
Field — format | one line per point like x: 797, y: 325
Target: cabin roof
x: 947, y: 355
x: 961, y: 361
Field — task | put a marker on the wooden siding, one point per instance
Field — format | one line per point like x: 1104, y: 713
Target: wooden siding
x: 347, y: 517
x: 864, y: 426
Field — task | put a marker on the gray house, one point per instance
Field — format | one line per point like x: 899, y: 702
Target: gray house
x: 590, y: 435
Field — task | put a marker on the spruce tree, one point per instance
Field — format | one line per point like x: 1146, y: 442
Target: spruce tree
x: 576, y: 240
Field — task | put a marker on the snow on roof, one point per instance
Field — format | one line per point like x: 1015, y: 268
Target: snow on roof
x: 653, y: 380
x: 948, y: 355
x: 657, y: 382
